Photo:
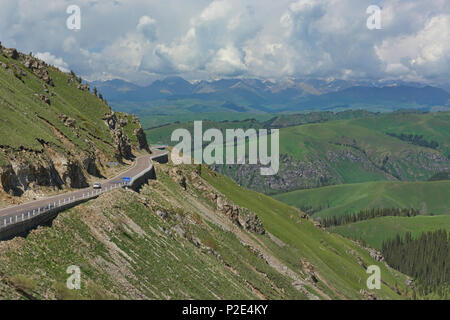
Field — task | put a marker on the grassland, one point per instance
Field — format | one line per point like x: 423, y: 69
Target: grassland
x: 344, y: 143
x: 428, y: 197
x: 163, y: 112
x: 163, y: 134
x: 375, y: 231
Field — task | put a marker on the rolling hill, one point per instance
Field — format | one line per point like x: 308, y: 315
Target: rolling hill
x: 428, y: 197
x: 375, y: 231
x: 400, y: 146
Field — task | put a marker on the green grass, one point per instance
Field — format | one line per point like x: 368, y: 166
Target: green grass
x: 329, y: 253
x: 126, y: 251
x: 360, y: 150
x: 375, y: 231
x: 26, y: 119
x: 433, y: 126
x: 357, y: 149
x: 163, y: 134
x: 428, y: 197
x: 161, y: 112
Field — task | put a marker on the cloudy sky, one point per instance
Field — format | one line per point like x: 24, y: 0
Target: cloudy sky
x: 142, y: 40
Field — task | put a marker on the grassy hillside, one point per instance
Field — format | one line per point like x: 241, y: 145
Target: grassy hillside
x: 54, y: 132
x: 177, y: 240
x: 331, y: 255
x: 428, y: 197
x: 401, y: 146
x: 433, y: 126
x: 22, y: 109
x: 163, y: 134
x: 163, y: 112
x: 360, y: 152
x: 375, y: 231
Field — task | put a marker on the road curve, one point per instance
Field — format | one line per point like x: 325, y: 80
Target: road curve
x: 142, y: 163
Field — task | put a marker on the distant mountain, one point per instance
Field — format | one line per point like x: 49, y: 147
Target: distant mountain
x: 375, y: 96
x: 254, y: 95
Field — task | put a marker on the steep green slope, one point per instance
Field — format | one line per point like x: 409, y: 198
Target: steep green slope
x: 428, y: 197
x: 331, y: 255
x: 348, y: 142
x: 432, y: 126
x: 53, y: 131
x: 186, y: 237
x: 375, y: 231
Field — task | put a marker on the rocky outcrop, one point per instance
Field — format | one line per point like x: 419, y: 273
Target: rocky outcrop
x: 43, y: 98
x: 177, y: 175
x: 11, y: 53
x: 368, y: 295
x: 14, y: 70
x: 308, y: 268
x: 240, y: 216
x: 293, y: 174
x: 83, y: 87
x: 142, y: 139
x: 250, y: 221
x: 41, y: 171
x: 68, y: 121
x: 38, y: 67
x: 122, y: 142
x: 9, y: 181
x: 376, y: 255
x: 90, y: 165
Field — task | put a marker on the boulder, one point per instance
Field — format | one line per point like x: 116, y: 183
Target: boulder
x: 162, y: 214
x: 11, y: 53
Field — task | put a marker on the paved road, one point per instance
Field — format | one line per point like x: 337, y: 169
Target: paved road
x: 141, y: 164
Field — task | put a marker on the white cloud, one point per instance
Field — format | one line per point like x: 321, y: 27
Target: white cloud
x: 52, y: 60
x: 227, y: 62
x: 147, y: 26
x: 140, y: 39
x: 426, y: 53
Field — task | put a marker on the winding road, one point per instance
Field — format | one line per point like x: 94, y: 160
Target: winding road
x: 23, y: 211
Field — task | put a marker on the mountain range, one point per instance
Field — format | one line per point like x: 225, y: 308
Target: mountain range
x: 254, y: 95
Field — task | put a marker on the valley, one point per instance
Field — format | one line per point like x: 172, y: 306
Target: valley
x: 220, y: 231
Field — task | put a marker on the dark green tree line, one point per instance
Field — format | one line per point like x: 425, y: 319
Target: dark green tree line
x: 368, y: 214
x: 426, y: 259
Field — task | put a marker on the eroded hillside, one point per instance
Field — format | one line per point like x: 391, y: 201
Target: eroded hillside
x: 191, y: 233
x: 395, y: 147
